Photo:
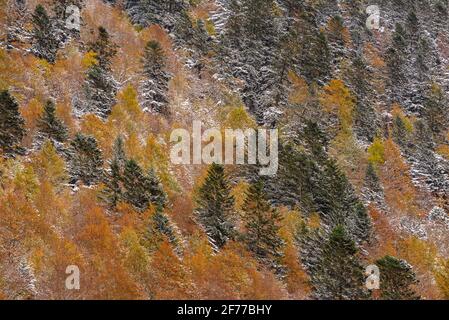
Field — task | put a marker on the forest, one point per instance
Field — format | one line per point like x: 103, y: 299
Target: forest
x: 93, y: 207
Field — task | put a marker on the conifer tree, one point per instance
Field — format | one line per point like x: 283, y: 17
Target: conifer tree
x: 142, y: 190
x: 315, y: 57
x: 339, y: 275
x: 113, y: 192
x: 215, y: 207
x: 163, y: 226
x: 396, y: 279
x: 86, y: 162
x: 371, y: 179
x: 399, y: 131
x: 135, y: 184
x: 154, y: 88
x: 259, y: 17
x: 435, y: 111
x: 157, y: 194
x: 50, y: 126
x: 12, y: 124
x: 100, y: 86
x: 45, y: 43
x: 262, y: 226
x: 336, y: 201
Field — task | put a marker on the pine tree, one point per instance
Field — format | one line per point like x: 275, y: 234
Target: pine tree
x: 104, y: 49
x: 142, y: 190
x: 45, y: 43
x: 113, y: 192
x: 339, y: 274
x: 50, y: 126
x: 338, y: 204
x: 135, y: 185
x: 154, y: 88
x: 163, y: 226
x: 157, y: 193
x: 315, y: 57
x: 262, y: 226
x: 399, y: 131
x: 86, y: 163
x: 396, y: 279
x: 315, y: 140
x: 100, y: 87
x: 12, y: 124
x: 435, y: 111
x: 215, y: 207
x: 372, y: 181
x: 259, y: 17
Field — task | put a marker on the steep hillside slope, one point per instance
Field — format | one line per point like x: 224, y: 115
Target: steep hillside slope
x: 91, y: 92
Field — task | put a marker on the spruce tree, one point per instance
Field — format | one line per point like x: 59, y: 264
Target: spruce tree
x: 371, y: 179
x: 396, y: 279
x: 399, y: 131
x: 315, y: 57
x: 86, y: 162
x: 50, y: 126
x: 163, y: 226
x: 338, y: 204
x: 157, y: 194
x: 154, y: 88
x: 435, y: 111
x: 135, y: 185
x: 215, y: 207
x: 339, y: 274
x: 12, y: 124
x: 100, y: 87
x: 262, y: 224
x: 45, y: 43
x: 259, y: 17
x: 113, y: 192
x: 140, y: 189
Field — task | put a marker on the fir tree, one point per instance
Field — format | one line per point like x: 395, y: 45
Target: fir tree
x: 163, y: 226
x: 100, y: 87
x: 339, y: 275
x: 315, y: 140
x: 259, y: 17
x: 371, y: 179
x: 435, y: 111
x: 86, y: 163
x: 142, y: 190
x: 113, y: 192
x: 336, y: 201
x: 104, y: 49
x: 12, y: 124
x: 50, y: 126
x: 262, y: 226
x: 157, y: 194
x: 396, y: 279
x: 315, y: 57
x: 45, y: 43
x: 215, y: 207
x: 399, y: 131
x: 154, y: 88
